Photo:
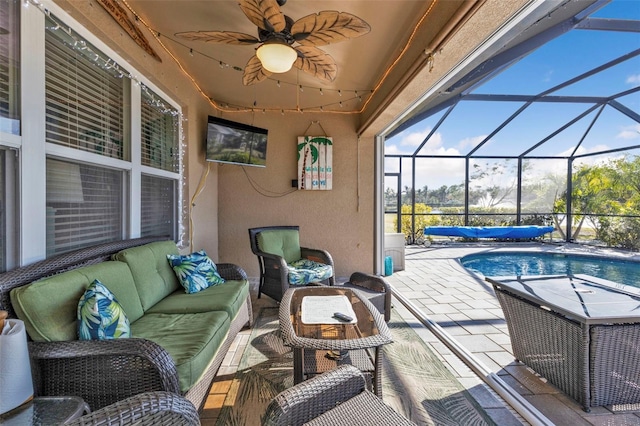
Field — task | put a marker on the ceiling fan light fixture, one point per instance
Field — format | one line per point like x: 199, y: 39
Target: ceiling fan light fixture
x: 276, y: 56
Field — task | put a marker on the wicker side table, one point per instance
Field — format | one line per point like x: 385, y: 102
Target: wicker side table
x: 358, y: 344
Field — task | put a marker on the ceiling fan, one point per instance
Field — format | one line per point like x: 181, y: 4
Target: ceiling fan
x: 284, y: 42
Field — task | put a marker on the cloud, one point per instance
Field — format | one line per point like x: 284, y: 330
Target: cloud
x: 414, y: 139
x: 471, y: 142
x: 547, y: 76
x: 629, y: 132
x: 633, y: 79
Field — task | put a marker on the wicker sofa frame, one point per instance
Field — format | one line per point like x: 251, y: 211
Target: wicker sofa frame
x: 104, y: 372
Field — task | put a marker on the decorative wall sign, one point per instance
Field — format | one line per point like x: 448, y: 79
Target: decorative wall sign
x: 315, y: 162
x: 120, y: 15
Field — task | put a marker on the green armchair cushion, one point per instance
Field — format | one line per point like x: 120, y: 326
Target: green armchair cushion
x: 305, y: 271
x: 192, y: 340
x: 282, y: 242
x: 153, y: 276
x: 228, y: 297
x: 49, y: 307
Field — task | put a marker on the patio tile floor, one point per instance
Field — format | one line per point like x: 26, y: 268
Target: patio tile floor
x: 465, y: 306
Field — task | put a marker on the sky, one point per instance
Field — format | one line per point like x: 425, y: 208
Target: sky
x: 563, y: 58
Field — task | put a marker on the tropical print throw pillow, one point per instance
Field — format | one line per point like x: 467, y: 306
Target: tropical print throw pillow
x: 195, y: 271
x: 305, y: 271
x: 100, y: 316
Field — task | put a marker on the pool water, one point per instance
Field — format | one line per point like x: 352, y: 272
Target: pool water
x: 523, y: 263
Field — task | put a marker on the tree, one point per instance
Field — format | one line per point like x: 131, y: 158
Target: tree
x: 493, y: 182
x: 608, y: 195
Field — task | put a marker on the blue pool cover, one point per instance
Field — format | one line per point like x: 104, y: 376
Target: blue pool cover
x: 489, y: 231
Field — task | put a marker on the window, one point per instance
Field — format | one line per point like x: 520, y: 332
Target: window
x: 84, y: 205
x: 159, y: 133
x: 68, y: 166
x: 158, y: 207
x: 85, y: 100
x: 10, y: 67
x: 88, y: 98
x: 8, y: 231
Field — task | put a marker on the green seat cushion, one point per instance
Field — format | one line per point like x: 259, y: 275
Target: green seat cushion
x: 282, y: 242
x: 228, y: 297
x: 151, y: 271
x: 49, y: 307
x: 192, y: 340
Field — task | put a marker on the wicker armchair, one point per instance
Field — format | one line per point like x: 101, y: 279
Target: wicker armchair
x: 275, y: 278
x: 337, y: 397
x: 150, y: 408
x: 375, y: 288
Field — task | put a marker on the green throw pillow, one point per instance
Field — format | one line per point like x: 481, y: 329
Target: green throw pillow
x: 195, y: 271
x: 100, y: 316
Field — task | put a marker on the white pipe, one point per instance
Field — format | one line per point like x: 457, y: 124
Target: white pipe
x: 514, y: 399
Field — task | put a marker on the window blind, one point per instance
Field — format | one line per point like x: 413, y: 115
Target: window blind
x: 158, y: 207
x: 85, y: 100
x: 159, y: 133
x: 84, y: 205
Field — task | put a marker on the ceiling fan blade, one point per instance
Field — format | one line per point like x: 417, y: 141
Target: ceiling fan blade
x: 264, y: 14
x: 316, y: 62
x: 254, y: 72
x: 225, y: 37
x: 328, y: 27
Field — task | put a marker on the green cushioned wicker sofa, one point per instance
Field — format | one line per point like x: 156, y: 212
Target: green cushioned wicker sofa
x: 178, y: 340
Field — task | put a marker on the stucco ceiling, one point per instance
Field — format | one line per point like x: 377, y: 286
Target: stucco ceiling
x: 363, y: 63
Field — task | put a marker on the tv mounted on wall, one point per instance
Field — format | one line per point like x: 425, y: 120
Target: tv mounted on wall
x: 236, y: 143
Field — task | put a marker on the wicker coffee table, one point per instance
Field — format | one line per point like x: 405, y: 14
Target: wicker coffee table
x: 321, y: 343
x: 580, y: 332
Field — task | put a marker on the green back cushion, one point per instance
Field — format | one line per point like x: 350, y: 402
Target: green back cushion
x: 151, y: 271
x: 282, y: 242
x: 49, y: 307
x: 228, y: 297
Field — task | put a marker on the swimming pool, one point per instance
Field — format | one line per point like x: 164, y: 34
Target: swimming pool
x: 528, y: 263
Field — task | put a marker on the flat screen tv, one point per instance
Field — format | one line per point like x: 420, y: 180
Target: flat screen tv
x: 236, y: 143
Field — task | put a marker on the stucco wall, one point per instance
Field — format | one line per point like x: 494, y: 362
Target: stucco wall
x: 338, y: 220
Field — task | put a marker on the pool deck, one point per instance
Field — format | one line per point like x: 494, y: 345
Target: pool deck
x: 464, y: 305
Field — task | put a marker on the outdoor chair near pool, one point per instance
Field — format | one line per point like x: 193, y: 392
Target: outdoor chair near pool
x: 284, y: 263
x: 337, y: 397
